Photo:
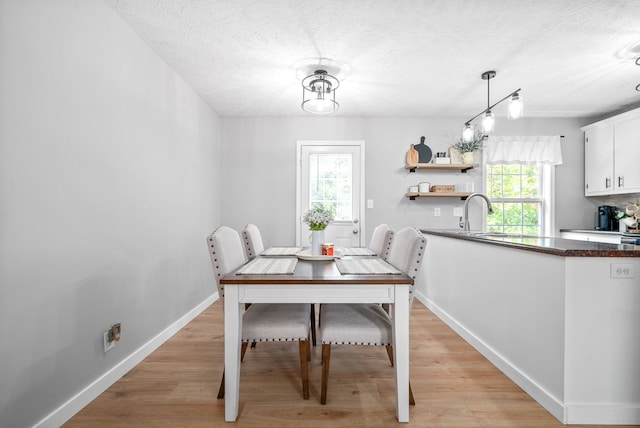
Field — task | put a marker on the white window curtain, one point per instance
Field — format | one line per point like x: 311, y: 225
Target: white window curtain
x: 544, y: 150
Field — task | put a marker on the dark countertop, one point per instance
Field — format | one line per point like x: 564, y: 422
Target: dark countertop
x: 546, y: 245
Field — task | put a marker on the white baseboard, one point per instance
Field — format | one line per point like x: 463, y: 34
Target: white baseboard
x: 546, y: 400
x: 65, y: 412
x: 603, y: 414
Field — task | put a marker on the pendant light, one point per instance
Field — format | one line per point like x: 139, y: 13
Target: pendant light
x: 319, y: 93
x: 488, y: 124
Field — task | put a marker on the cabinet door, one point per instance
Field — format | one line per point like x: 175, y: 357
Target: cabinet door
x: 627, y: 156
x: 598, y: 168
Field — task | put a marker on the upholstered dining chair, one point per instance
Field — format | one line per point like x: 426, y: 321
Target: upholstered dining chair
x: 252, y: 241
x: 370, y: 324
x: 261, y: 322
x: 381, y: 240
x: 254, y: 247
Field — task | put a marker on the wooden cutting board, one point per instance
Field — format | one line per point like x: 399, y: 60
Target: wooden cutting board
x: 424, y: 152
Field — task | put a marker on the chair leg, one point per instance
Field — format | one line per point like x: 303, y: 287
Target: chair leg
x: 303, y: 345
x: 412, y: 401
x: 313, y: 323
x: 243, y: 350
x: 326, y: 356
x: 221, y: 390
x: 390, y: 353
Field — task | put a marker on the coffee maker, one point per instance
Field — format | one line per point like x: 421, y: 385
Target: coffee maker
x: 607, y: 218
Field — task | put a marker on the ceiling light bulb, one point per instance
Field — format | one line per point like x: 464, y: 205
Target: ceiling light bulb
x: 488, y: 122
x: 516, y: 107
x: 467, y: 133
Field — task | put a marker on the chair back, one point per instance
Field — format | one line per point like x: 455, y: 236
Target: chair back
x: 227, y: 253
x: 406, y: 252
x: 252, y: 241
x: 381, y: 240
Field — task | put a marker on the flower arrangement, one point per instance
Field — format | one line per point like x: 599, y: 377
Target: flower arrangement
x: 470, y: 146
x: 318, y: 218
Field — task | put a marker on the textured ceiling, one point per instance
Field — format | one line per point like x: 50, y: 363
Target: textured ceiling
x: 572, y: 58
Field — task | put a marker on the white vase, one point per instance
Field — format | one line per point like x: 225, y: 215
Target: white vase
x: 468, y: 158
x: 316, y: 239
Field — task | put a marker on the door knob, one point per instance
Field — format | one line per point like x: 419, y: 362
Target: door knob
x: 355, y: 231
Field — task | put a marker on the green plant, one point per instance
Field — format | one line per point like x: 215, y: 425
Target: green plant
x: 318, y: 218
x: 470, y: 146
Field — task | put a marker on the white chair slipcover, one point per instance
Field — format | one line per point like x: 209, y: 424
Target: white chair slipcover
x: 381, y: 240
x: 370, y: 324
x: 252, y: 241
x: 261, y: 322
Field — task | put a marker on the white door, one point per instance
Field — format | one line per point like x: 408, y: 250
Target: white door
x: 331, y: 174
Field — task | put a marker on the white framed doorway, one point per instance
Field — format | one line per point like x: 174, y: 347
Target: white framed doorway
x: 332, y: 173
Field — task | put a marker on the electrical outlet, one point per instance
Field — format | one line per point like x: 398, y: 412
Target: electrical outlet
x: 436, y: 211
x: 108, y: 345
x: 457, y: 211
x: 622, y: 270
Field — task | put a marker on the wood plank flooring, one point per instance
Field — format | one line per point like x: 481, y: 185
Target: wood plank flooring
x: 176, y: 386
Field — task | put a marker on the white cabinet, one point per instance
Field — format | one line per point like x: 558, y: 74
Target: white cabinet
x: 612, y: 151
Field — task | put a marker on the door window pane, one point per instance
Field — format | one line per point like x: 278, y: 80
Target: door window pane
x: 331, y: 184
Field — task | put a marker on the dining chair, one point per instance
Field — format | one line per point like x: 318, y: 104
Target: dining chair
x: 261, y: 322
x: 252, y: 241
x: 381, y: 240
x: 370, y: 324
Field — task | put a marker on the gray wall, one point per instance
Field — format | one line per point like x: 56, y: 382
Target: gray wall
x: 260, y: 156
x: 109, y: 183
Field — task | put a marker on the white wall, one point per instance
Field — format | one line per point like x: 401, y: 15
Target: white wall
x: 260, y: 156
x: 109, y: 184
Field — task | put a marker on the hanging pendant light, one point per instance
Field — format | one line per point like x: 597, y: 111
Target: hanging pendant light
x: 488, y: 125
x: 516, y: 108
x: 319, y: 93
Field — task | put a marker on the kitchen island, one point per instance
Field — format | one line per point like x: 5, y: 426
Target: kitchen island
x: 560, y: 317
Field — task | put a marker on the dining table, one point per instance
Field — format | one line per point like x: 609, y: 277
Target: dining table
x: 316, y: 280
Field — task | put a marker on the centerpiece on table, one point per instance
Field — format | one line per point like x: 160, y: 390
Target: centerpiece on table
x: 318, y: 218
x: 468, y: 148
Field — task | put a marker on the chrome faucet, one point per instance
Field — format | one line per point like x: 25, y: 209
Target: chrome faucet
x: 464, y: 221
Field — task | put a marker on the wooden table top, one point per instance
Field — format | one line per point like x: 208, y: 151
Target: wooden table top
x: 316, y: 272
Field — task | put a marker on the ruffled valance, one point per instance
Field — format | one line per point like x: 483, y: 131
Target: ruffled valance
x: 523, y: 150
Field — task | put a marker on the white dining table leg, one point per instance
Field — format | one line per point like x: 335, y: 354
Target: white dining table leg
x: 401, y: 351
x: 232, y: 343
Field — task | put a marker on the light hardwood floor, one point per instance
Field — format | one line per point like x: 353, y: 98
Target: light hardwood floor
x: 176, y: 386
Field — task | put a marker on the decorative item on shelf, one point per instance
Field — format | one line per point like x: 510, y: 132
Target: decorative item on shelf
x: 443, y: 188
x: 455, y: 155
x: 424, y: 152
x: 441, y: 158
x: 413, y: 156
x: 467, y: 148
x: 424, y: 187
x: 515, y: 110
x: 318, y: 218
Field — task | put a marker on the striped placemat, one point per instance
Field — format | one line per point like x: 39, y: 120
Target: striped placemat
x: 269, y: 266
x: 357, y: 251
x: 365, y: 267
x: 281, y: 251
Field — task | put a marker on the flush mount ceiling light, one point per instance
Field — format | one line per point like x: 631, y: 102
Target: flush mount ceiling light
x: 488, y: 119
x: 319, y: 93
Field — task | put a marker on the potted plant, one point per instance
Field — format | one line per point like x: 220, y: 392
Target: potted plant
x: 318, y: 218
x: 468, y: 148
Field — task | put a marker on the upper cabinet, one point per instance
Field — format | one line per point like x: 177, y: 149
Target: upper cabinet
x: 612, y: 150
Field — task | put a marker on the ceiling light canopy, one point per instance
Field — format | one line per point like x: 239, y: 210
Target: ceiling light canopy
x: 515, y: 110
x: 319, y: 93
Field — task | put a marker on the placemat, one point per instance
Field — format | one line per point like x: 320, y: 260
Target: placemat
x: 357, y: 251
x: 365, y: 267
x: 269, y: 266
x: 281, y: 251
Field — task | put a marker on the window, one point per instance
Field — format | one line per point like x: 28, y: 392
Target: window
x: 330, y: 181
x: 521, y: 196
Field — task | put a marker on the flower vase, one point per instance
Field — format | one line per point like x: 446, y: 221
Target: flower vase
x: 468, y: 158
x: 317, y: 238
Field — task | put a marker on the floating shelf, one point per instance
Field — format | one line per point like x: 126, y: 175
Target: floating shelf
x: 413, y: 195
x: 462, y: 167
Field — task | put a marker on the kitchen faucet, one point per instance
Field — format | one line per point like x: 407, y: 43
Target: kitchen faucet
x: 464, y: 221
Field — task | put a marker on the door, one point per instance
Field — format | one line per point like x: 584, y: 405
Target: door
x: 331, y: 174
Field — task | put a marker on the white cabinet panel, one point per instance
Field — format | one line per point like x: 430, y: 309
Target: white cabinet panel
x: 627, y: 156
x: 598, y: 150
